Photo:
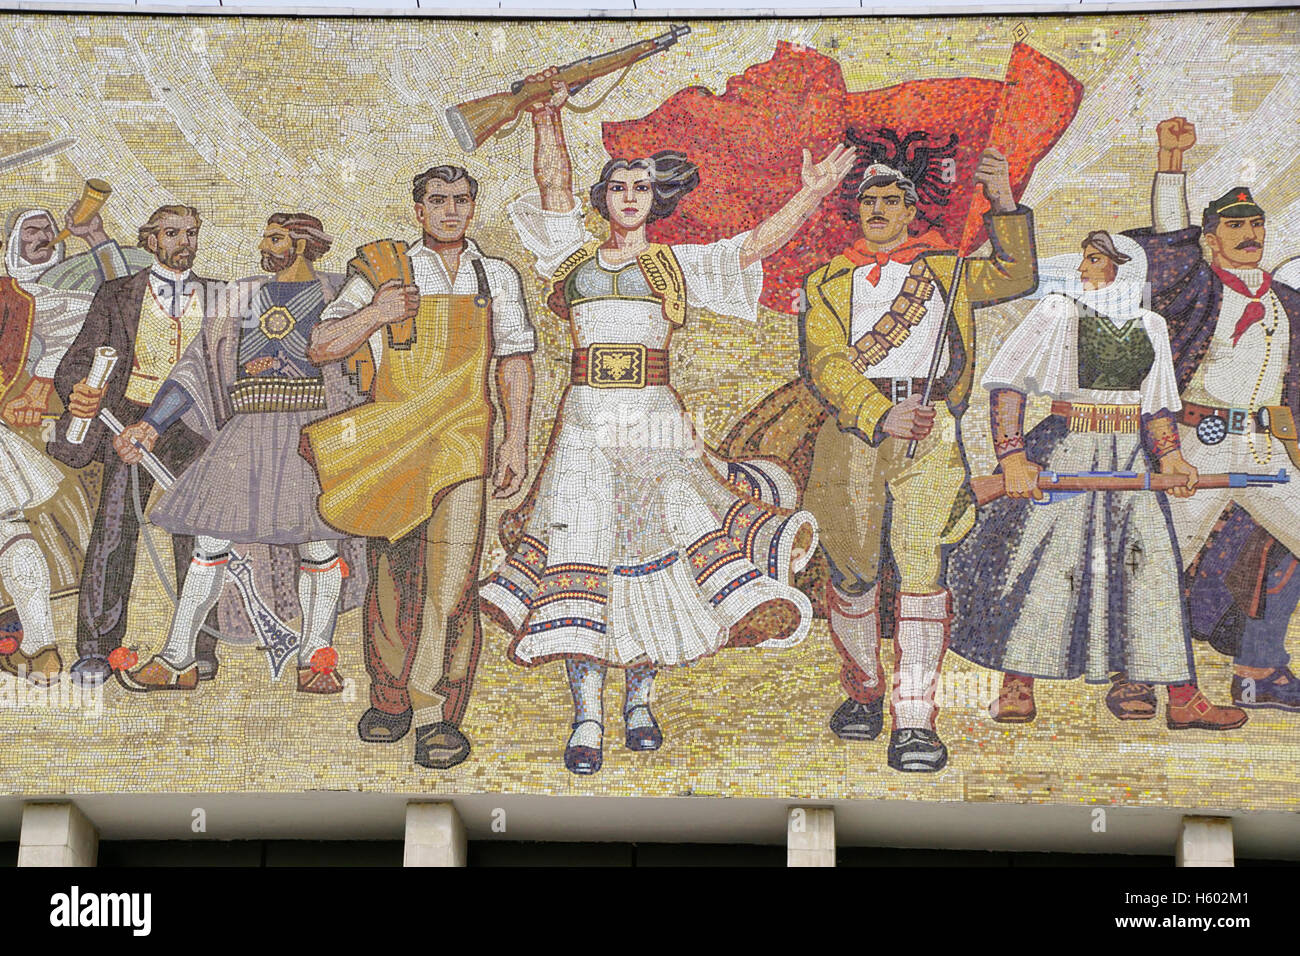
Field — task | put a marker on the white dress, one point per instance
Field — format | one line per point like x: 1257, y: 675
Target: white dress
x: 641, y: 545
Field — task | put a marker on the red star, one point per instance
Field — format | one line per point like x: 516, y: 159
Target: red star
x: 1242, y: 197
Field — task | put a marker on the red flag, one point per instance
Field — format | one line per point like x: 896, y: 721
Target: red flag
x: 748, y: 144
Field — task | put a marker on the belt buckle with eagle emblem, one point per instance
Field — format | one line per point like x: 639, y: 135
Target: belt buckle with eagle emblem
x: 616, y: 366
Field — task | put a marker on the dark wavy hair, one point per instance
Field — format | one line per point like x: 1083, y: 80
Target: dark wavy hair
x: 672, y: 176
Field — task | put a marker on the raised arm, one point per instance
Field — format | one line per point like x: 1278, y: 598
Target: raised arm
x: 551, y: 166
x: 818, y: 181
x: 1169, y: 212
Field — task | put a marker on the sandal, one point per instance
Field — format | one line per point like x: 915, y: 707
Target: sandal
x: 643, y: 738
x: 581, y: 759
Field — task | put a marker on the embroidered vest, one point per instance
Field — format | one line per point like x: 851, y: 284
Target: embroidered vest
x: 1110, y: 357
x: 659, y: 267
x: 159, y: 342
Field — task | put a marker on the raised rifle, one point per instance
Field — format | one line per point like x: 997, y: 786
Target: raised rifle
x: 1058, y: 486
x: 474, y: 121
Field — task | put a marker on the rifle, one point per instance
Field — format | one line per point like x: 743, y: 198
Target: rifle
x: 474, y: 121
x: 988, y: 488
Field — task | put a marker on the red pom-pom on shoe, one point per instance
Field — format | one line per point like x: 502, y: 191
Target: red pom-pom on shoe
x: 325, y: 660
x: 8, y: 645
x: 122, y: 658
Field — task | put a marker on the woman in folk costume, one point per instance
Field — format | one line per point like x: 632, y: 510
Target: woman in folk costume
x: 642, y: 550
x: 1089, y: 585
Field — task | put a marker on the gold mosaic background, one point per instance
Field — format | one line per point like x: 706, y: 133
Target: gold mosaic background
x: 245, y: 116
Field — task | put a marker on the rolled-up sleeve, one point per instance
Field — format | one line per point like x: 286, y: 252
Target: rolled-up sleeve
x: 512, y: 330
x: 59, y: 318
x: 551, y: 236
x: 715, y: 280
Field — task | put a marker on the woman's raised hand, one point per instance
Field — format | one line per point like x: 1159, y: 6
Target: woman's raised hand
x: 821, y: 178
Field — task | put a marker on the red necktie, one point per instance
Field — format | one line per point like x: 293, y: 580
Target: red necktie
x: 1254, y: 311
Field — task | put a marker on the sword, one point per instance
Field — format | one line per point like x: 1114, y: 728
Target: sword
x: 278, y: 640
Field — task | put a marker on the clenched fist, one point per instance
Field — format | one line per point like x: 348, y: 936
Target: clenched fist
x: 26, y: 410
x: 126, y: 445
x: 909, y: 419
x: 1175, y: 136
x: 84, y: 401
x: 396, y: 302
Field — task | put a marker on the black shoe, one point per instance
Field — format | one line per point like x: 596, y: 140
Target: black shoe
x: 643, y: 738
x: 918, y: 750
x: 581, y: 759
x: 439, y: 746
x: 90, y: 671
x: 378, y: 727
x: 854, y: 720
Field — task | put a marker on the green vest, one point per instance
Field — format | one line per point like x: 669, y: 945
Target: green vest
x: 1112, y: 358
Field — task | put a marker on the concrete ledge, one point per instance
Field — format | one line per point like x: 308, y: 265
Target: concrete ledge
x: 885, y: 823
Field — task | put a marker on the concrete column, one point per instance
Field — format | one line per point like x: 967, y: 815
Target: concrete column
x: 1205, y: 841
x: 435, y: 835
x: 810, y: 837
x: 56, y: 834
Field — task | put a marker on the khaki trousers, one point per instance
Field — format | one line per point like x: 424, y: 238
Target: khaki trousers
x: 847, y: 491
x: 422, y: 628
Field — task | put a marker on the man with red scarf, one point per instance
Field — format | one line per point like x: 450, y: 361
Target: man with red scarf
x: 871, y: 324
x: 1235, y: 336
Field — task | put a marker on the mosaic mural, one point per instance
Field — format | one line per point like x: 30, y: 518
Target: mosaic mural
x: 881, y: 408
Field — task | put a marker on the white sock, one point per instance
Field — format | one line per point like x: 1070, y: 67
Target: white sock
x: 203, y: 582
x: 27, y: 576
x: 320, y: 582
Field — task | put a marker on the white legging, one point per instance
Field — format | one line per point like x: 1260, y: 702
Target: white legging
x: 27, y: 578
x: 320, y: 581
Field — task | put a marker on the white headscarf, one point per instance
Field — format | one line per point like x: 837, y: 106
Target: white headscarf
x: 1120, y: 301
x: 24, y: 271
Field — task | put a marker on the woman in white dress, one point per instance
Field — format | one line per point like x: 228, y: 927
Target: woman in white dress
x: 638, y: 548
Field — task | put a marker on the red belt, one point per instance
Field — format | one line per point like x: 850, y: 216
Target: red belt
x: 614, y: 365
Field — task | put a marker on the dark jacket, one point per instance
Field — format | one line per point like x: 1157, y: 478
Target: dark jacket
x: 113, y: 319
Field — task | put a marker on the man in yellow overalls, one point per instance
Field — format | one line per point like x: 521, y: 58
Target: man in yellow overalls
x: 408, y: 470
x: 870, y: 328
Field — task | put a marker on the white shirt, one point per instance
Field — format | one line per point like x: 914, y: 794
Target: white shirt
x: 714, y: 278
x: 172, y: 289
x: 1041, y: 356
x: 868, y: 303
x: 512, y: 331
x: 1230, y: 375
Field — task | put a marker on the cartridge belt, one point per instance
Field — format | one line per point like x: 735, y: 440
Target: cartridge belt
x: 1109, y: 419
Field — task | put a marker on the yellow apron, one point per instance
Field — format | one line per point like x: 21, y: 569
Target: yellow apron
x: 427, y: 428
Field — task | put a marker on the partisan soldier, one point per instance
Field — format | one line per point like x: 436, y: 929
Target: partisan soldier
x: 1105, y: 361
x: 409, y: 469
x: 149, y: 318
x: 1235, y: 334
x: 246, y: 385
x: 870, y: 327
